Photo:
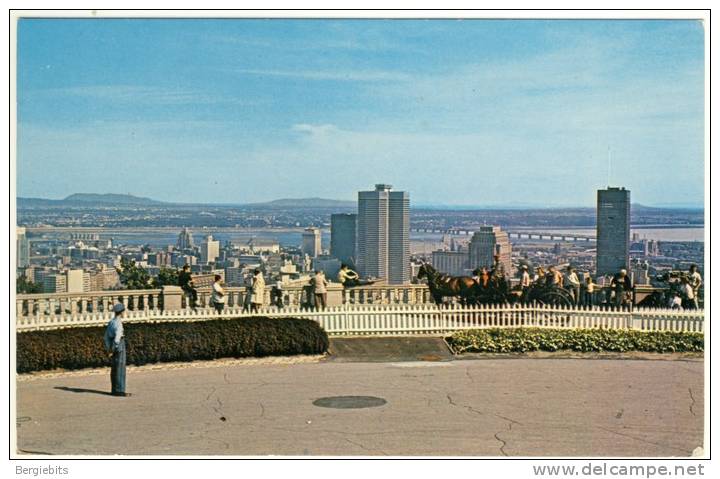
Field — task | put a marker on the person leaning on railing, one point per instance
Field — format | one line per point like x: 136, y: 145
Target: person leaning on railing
x: 186, y: 284
x: 347, y: 277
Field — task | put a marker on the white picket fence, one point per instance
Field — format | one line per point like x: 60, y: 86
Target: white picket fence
x: 412, y: 319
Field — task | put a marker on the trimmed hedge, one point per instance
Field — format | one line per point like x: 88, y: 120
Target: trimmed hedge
x: 520, y: 340
x: 77, y: 348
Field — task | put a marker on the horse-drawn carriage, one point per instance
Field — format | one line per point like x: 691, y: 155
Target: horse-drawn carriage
x: 494, y: 290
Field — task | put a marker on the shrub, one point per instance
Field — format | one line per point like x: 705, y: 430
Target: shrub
x: 586, y: 340
x: 76, y: 348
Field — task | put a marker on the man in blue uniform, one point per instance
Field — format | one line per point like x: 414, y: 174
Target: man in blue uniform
x: 115, y: 347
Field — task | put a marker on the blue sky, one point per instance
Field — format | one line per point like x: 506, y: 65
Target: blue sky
x: 464, y: 112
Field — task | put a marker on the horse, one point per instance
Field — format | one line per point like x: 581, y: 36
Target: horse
x: 445, y: 285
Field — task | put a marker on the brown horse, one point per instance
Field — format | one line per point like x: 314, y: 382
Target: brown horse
x: 442, y: 285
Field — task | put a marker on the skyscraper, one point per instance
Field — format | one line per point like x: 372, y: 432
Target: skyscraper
x: 185, y: 239
x: 23, y: 248
x: 613, y: 230
x: 343, y: 228
x: 485, y: 244
x: 312, y: 242
x: 383, y: 234
x: 209, y: 250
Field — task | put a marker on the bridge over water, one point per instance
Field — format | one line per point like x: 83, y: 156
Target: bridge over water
x: 515, y: 234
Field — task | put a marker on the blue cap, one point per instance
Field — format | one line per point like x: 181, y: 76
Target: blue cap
x: 118, y: 308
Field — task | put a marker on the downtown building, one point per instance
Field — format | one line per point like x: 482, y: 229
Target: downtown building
x: 343, y: 240
x: 185, y: 240
x: 312, y: 242
x: 487, y: 242
x: 209, y: 250
x: 613, y: 230
x: 383, y: 234
x: 22, y: 248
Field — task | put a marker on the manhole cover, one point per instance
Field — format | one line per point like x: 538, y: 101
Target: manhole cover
x: 349, y: 402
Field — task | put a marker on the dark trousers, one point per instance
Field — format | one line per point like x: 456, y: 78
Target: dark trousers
x: 191, y: 295
x: 219, y: 307
x: 320, y: 300
x: 117, y: 370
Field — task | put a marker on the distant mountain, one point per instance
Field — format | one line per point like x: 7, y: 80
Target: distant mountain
x: 89, y: 199
x: 305, y: 203
x: 110, y: 198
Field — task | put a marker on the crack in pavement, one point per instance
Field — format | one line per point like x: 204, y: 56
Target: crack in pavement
x: 510, y: 423
x: 364, y: 447
x: 211, y: 393
x: 502, y: 445
x: 262, y: 410
x: 27, y: 451
x: 644, y: 440
x: 692, y: 403
x: 225, y: 377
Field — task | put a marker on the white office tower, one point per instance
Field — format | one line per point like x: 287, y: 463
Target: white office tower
x: 383, y: 233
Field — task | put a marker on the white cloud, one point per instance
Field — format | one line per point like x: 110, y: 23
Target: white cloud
x: 333, y: 75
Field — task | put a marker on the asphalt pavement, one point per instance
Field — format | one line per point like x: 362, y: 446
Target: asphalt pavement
x: 492, y: 407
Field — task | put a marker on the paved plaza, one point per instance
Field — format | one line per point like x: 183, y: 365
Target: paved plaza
x: 490, y: 407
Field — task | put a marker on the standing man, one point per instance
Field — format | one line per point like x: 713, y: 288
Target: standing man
x: 695, y: 282
x: 320, y: 289
x: 621, y: 285
x: 115, y: 346
x: 218, y: 295
x: 525, y: 283
x: 572, y: 284
x: 258, y: 291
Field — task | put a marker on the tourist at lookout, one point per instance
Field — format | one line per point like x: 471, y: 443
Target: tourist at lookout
x: 695, y: 282
x: 347, y: 277
x: 258, y: 291
x: 218, y: 295
x: 186, y: 284
x: 115, y: 346
x: 622, y: 287
x: 319, y: 284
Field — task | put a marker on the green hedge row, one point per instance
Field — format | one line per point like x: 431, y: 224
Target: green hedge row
x: 586, y: 340
x: 77, y: 348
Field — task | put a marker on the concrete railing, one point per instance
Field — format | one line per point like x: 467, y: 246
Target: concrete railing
x: 62, y: 304
x: 409, y: 319
x: 171, y: 298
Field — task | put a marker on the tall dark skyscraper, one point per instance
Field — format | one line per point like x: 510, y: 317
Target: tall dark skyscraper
x: 383, y: 234
x: 343, y: 230
x: 613, y: 230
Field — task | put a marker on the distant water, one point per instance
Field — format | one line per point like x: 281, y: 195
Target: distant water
x: 294, y: 238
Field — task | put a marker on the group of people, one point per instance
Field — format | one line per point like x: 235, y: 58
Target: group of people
x: 685, y: 293
x: 253, y: 302
x: 582, y: 292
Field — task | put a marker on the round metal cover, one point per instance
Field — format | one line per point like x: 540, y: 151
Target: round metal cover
x: 349, y: 402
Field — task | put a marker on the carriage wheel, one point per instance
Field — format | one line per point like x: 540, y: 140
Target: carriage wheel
x: 556, y: 298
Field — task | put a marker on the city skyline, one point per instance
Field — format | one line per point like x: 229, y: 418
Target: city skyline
x: 242, y: 111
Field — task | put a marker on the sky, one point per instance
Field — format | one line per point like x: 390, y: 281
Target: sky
x: 457, y: 112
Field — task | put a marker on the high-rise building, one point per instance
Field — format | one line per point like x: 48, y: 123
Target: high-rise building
x: 23, y: 248
x: 77, y: 281
x: 312, y: 242
x: 343, y: 228
x: 383, y: 234
x: 209, y: 250
x: 485, y: 244
x: 185, y: 239
x: 55, y: 283
x: 454, y: 263
x: 613, y: 230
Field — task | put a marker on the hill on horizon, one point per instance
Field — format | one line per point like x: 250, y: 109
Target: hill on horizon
x: 115, y: 199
